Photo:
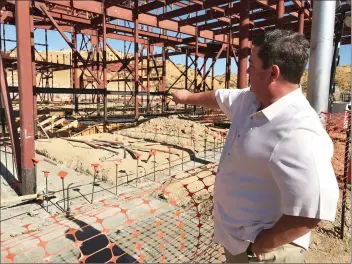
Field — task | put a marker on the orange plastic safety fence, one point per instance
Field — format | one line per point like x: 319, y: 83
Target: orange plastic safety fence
x: 163, y: 221
x: 338, y: 126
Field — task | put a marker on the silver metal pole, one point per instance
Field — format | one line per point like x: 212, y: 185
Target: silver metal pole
x: 321, y: 48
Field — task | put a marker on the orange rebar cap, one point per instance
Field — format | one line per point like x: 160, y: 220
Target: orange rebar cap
x: 62, y: 174
x: 95, y: 166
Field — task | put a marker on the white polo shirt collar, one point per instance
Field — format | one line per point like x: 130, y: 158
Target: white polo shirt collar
x: 274, y: 109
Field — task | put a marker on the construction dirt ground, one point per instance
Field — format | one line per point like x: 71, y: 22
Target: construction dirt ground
x: 142, y: 193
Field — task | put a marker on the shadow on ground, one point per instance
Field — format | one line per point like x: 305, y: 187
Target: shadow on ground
x: 95, y: 245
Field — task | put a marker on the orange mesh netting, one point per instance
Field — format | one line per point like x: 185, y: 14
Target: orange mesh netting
x: 163, y: 221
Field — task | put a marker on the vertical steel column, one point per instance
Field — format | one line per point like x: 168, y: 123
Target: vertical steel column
x: 142, y: 72
x: 228, y: 52
x: 47, y: 85
x: 136, y: 59
x: 196, y: 67
x: 124, y: 82
x: 25, y: 81
x: 204, y: 72
x: 228, y: 61
x: 7, y: 109
x: 1, y: 33
x: 321, y: 43
x: 148, y: 77
x: 301, y: 19
x: 34, y: 76
x: 4, y: 35
x: 2, y: 114
x: 244, y: 45
x: 94, y: 39
x: 75, y: 77
x: 212, y: 74
x: 163, y: 84
x: 186, y: 74
x: 104, y: 70
x: 280, y: 8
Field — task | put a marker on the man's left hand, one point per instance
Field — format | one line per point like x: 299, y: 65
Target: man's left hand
x: 260, y: 245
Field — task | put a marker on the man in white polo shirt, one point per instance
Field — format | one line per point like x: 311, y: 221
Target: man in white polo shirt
x: 275, y: 180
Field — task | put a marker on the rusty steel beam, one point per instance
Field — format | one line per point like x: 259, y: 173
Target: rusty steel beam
x: 300, y: 5
x: 244, y: 45
x: 291, y: 26
x: 272, y: 5
x: 10, y: 118
x: 228, y: 65
x: 210, y: 14
x: 105, y: 83
x: 185, y: 73
x: 154, y: 5
x: 271, y: 18
x: 220, y: 14
x: 136, y: 60
x: 45, y: 11
x: 212, y: 25
x: 25, y: 81
x: 146, y: 19
x: 163, y: 76
x: 209, y: 3
x: 125, y: 14
x: 148, y: 77
x: 197, y: 6
x: 196, y: 71
x: 132, y: 80
x: 14, y: 89
x: 125, y: 64
x: 180, y: 12
x: 272, y: 13
x: 301, y: 19
x: 205, y: 75
x: 75, y: 75
x: 280, y: 14
x: 206, y: 5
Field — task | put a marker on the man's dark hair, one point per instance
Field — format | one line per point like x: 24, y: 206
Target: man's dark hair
x: 286, y: 49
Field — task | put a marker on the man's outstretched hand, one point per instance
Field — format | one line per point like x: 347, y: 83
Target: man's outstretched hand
x: 181, y: 97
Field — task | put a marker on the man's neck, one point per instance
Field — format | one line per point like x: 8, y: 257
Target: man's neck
x: 278, y: 93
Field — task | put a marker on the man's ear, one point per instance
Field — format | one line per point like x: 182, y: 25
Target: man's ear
x: 275, y: 72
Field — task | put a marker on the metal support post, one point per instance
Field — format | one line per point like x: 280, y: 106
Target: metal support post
x: 25, y: 81
x: 244, y: 45
x: 105, y: 70
x: 301, y: 18
x: 280, y: 8
x: 136, y: 59
x: 321, y: 43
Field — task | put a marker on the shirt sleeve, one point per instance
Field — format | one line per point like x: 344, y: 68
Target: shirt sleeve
x: 227, y: 97
x: 302, y: 169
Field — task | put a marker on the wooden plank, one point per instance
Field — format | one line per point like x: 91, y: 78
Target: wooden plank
x: 53, y: 125
x: 70, y: 125
x: 46, y: 121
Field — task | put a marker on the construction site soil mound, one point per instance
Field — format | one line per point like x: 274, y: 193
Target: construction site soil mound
x: 105, y: 149
x: 179, y: 132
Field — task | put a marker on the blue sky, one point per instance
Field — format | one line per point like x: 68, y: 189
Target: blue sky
x: 56, y: 42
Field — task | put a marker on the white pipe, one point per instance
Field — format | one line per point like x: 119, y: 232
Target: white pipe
x: 321, y: 49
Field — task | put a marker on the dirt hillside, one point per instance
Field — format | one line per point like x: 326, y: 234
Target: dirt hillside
x: 62, y: 78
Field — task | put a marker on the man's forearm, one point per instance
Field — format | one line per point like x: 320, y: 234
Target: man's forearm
x: 205, y: 99
x: 286, y: 230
